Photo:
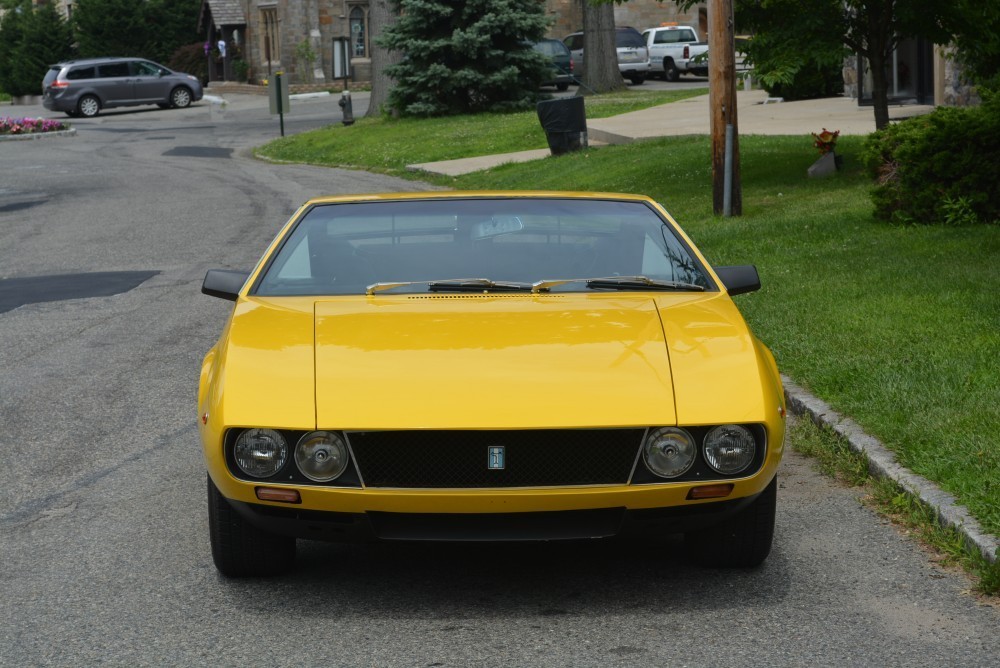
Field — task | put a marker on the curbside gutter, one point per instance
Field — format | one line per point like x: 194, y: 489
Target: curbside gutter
x: 39, y: 135
x: 882, y: 463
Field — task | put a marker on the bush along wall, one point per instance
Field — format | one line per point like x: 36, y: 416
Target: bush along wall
x: 942, y: 168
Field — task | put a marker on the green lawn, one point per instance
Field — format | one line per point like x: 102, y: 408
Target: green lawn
x: 388, y: 145
x: 898, y: 327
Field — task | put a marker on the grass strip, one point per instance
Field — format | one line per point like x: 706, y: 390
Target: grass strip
x: 387, y: 145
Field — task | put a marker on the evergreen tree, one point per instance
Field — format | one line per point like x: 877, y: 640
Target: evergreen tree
x: 174, y: 23
x: 465, y: 56
x: 111, y: 28
x: 31, y: 39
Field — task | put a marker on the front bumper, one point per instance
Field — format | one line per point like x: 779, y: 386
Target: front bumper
x: 468, y: 527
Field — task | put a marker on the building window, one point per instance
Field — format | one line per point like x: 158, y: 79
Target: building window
x: 359, y: 33
x: 270, y: 38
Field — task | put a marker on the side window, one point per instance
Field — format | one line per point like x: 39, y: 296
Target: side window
x: 78, y: 73
x: 688, y: 36
x: 113, y: 70
x: 143, y: 69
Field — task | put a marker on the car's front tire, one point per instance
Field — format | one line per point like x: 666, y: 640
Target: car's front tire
x: 88, y: 106
x: 742, y: 541
x: 240, y: 549
x: 180, y: 97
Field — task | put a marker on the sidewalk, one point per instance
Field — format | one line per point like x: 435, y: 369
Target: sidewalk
x: 691, y: 116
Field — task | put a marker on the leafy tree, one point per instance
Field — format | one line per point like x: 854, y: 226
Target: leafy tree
x: 977, y: 38
x: 802, y: 28
x: 31, y: 39
x: 465, y: 56
x: 793, y: 29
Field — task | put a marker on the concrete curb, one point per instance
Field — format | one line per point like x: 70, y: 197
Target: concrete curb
x: 39, y: 135
x: 882, y: 463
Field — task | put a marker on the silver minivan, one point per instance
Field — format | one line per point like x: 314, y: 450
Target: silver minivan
x: 84, y: 87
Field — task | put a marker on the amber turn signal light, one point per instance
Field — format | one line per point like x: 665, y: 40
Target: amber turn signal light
x: 710, y: 491
x: 278, y: 494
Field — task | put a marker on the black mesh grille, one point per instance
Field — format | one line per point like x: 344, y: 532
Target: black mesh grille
x: 532, y: 458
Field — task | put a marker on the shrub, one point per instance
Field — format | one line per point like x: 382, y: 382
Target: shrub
x: 191, y: 59
x: 940, y: 168
x: 809, y: 82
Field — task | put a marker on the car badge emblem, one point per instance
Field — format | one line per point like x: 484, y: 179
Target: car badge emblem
x: 496, y: 460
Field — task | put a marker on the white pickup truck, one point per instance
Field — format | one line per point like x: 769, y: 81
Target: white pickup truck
x: 671, y: 49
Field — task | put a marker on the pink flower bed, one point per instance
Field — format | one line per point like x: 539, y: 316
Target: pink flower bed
x: 26, y: 126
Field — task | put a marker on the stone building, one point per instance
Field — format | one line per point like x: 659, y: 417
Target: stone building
x: 304, y: 37
x: 309, y: 39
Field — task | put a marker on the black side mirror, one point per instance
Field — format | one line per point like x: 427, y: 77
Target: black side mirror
x: 739, y: 279
x: 223, y: 283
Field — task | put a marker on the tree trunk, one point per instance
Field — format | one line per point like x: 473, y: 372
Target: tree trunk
x: 879, y: 50
x: 600, y: 56
x: 381, y: 15
x: 316, y: 66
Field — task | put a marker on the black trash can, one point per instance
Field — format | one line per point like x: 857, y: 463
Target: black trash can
x: 565, y: 122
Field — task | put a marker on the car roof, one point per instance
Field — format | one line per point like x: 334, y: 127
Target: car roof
x: 473, y: 194
x: 95, y: 61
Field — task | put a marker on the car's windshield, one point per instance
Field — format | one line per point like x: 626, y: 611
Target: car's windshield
x: 341, y: 249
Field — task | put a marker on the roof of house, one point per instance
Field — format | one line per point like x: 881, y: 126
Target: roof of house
x: 223, y: 13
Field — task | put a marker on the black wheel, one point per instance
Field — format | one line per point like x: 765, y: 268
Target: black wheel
x: 72, y: 114
x: 240, y: 549
x: 162, y: 105
x: 637, y: 79
x: 88, y: 106
x: 670, y: 71
x: 562, y: 87
x: 742, y: 541
x: 180, y: 97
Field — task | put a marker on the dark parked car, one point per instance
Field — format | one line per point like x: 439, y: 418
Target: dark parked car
x: 633, y: 56
x: 561, y: 60
x: 84, y: 87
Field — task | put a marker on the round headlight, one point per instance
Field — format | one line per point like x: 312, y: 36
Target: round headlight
x: 260, y: 453
x: 669, y: 452
x: 321, y: 456
x: 729, y: 449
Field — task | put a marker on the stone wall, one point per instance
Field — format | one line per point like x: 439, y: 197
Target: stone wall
x: 567, y: 16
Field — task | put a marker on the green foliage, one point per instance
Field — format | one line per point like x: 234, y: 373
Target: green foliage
x: 939, y: 168
x: 798, y: 48
x: 977, y: 38
x: 169, y: 25
x: 190, y: 58
x: 465, y: 56
x: 153, y: 29
x: 31, y: 39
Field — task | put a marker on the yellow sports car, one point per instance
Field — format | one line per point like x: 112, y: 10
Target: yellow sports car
x: 487, y: 366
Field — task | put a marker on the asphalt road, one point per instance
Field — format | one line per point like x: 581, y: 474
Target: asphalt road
x: 104, y: 554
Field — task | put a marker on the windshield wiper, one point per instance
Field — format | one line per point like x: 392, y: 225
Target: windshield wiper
x: 454, y: 285
x: 618, y: 283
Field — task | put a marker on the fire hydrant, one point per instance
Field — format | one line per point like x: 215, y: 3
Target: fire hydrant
x: 346, y: 107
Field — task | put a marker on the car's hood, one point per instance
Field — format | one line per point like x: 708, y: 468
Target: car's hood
x: 491, y: 362
x: 464, y: 361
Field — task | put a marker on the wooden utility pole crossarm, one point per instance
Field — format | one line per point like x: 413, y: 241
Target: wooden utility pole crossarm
x: 727, y: 192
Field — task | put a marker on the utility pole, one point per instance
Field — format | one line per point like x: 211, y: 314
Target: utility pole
x: 727, y: 191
